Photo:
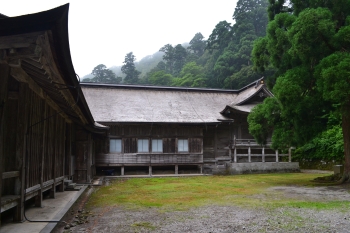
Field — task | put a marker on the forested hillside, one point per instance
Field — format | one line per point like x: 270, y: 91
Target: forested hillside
x: 221, y: 61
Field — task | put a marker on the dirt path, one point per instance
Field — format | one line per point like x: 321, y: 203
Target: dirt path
x: 214, y: 218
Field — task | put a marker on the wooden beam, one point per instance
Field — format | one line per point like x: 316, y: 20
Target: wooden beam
x: 21, y: 76
x: 19, y: 41
x: 50, y: 67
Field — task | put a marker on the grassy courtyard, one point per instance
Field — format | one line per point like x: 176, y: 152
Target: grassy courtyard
x: 183, y: 193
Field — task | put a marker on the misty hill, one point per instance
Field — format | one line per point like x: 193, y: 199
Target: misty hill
x: 145, y: 65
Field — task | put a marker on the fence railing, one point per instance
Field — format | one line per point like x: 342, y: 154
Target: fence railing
x: 148, y: 159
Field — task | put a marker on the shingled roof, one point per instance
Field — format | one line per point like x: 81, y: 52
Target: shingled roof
x: 145, y: 104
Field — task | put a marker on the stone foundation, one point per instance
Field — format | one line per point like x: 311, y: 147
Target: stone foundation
x: 255, y: 168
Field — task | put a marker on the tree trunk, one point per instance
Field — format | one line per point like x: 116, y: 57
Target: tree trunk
x: 346, y: 138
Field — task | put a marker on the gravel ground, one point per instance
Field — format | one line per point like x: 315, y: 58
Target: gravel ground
x: 214, y: 218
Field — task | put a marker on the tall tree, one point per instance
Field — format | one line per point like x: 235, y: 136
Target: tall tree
x: 310, y: 50
x: 220, y: 37
x: 174, y: 57
x: 197, y: 44
x: 251, y: 20
x: 132, y: 75
x: 103, y: 75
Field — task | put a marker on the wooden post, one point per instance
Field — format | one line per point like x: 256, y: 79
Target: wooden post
x: 277, y: 156
x: 4, y: 74
x: 150, y: 170
x: 122, y: 171
x: 249, y: 155
x: 263, y: 155
x: 23, y: 109
x: 39, y: 197
x: 53, y: 165
x: 215, y: 143
x: 63, y: 155
x: 176, y: 169
x: 290, y: 154
x: 235, y: 155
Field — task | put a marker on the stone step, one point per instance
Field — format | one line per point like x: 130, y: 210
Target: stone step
x: 67, y: 182
x: 75, y: 188
x: 72, y: 185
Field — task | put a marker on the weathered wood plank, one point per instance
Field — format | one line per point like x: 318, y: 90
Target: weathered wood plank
x: 11, y: 174
x: 8, y: 202
x: 33, y: 188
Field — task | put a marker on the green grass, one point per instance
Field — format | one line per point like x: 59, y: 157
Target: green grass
x: 146, y: 225
x: 186, y: 192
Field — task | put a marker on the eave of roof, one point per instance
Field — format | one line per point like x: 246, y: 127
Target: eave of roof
x: 150, y: 87
x: 56, y: 22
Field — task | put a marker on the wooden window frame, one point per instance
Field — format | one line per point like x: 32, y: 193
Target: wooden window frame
x: 161, y: 143
x: 148, y: 147
x: 121, y: 145
x: 178, y: 148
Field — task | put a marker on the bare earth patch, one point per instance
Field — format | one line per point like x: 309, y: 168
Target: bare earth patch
x: 231, y: 218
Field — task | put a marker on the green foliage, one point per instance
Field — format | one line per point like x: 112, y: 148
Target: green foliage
x: 326, y: 146
x: 334, y: 81
x: 191, y: 76
x: 131, y: 74
x: 160, y: 78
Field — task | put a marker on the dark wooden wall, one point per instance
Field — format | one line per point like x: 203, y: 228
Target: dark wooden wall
x: 32, y: 143
x: 169, y: 133
x: 217, y: 138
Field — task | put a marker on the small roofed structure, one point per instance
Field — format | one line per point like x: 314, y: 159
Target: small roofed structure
x: 46, y: 127
x: 153, y: 126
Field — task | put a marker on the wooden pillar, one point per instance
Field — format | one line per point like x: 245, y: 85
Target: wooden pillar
x: 263, y: 155
x: 249, y: 155
x: 277, y: 156
x: 4, y: 74
x: 54, y: 159
x: 176, y: 169
x: 89, y: 159
x: 235, y: 155
x: 122, y: 171
x: 230, y: 153
x: 150, y: 170
x: 215, y: 143
x: 201, y: 169
x: 290, y: 154
x: 39, y: 197
x: 63, y: 155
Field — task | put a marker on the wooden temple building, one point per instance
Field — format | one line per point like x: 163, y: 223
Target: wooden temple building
x: 206, y: 129
x: 53, y: 128
x: 47, y: 132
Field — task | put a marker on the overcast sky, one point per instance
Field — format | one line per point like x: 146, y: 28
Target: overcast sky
x: 103, y: 32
